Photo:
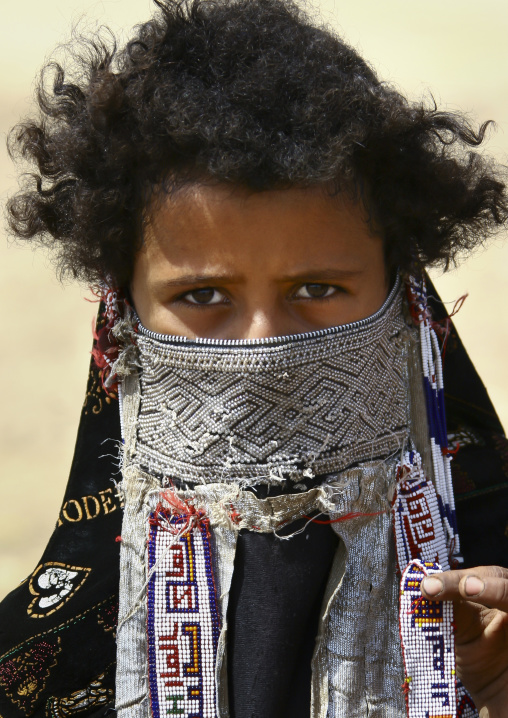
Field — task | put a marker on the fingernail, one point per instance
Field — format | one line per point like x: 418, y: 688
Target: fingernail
x: 473, y: 586
x: 432, y: 586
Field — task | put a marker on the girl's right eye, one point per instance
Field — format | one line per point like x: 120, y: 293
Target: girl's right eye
x: 204, y: 296
x: 316, y: 290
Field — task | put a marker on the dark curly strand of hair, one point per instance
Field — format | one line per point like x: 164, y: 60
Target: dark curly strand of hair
x: 247, y: 92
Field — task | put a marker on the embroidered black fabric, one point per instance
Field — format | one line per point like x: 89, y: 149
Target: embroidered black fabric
x: 57, y: 629
x: 57, y: 643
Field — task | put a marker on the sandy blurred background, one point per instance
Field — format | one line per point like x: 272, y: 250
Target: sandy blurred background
x: 458, y: 49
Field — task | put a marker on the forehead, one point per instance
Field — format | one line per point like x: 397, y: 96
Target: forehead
x: 272, y: 228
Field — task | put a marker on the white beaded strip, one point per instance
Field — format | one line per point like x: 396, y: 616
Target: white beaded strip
x: 434, y: 387
x: 426, y: 629
x: 183, y: 622
x: 427, y: 538
x: 418, y: 529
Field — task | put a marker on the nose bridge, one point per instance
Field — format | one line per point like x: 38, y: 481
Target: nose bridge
x: 264, y: 311
x: 262, y: 321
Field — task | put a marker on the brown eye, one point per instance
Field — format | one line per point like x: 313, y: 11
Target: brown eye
x: 206, y: 295
x: 315, y: 291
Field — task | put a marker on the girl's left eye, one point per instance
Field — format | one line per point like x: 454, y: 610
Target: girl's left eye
x: 315, y: 291
x: 204, y: 296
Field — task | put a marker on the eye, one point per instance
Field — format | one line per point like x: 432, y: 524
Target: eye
x: 315, y: 291
x: 205, y: 295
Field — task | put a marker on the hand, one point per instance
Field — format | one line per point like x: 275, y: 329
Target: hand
x: 480, y: 597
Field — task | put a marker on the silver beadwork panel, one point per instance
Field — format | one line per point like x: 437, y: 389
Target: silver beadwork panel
x: 265, y: 413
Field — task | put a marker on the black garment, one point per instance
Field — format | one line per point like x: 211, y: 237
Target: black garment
x: 274, y: 604
x: 57, y: 647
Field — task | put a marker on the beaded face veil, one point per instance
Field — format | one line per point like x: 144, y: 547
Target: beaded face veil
x: 269, y: 411
x: 223, y: 436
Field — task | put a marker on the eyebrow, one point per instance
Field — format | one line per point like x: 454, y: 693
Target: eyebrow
x: 210, y: 279
x: 328, y: 274
x: 187, y: 279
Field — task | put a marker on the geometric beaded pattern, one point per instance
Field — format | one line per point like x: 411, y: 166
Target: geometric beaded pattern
x: 426, y: 629
x: 465, y: 706
x: 417, y: 520
x: 183, y: 622
x: 436, y: 412
x: 267, y: 410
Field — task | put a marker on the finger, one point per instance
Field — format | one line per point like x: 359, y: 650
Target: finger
x: 486, y: 585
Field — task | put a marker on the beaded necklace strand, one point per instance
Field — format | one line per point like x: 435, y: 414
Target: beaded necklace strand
x: 427, y: 542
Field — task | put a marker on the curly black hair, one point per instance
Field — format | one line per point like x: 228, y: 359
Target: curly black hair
x: 252, y: 93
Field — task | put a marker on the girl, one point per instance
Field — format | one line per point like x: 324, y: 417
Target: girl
x: 250, y: 199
